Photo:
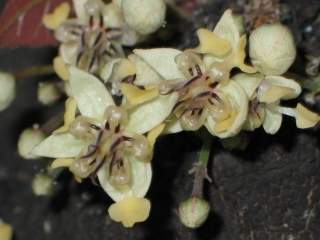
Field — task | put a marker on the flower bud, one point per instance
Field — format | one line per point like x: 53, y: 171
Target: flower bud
x: 272, y: 49
x: 48, y: 93
x: 42, y: 185
x: 144, y: 16
x: 194, y: 212
x: 28, y: 139
x: 7, y: 90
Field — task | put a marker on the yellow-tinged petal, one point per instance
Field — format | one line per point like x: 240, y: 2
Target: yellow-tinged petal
x: 211, y: 43
x: 225, y: 124
x: 124, y: 68
x: 305, y: 118
x: 62, y: 162
x: 69, y: 115
x: 136, y: 96
x: 274, y: 94
x: 5, y: 231
x: 59, y: 15
x: 240, y: 56
x: 155, y: 133
x: 61, y: 68
x: 130, y: 210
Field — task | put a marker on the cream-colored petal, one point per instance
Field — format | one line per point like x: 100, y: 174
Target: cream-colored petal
x: 239, y: 100
x: 288, y: 83
x: 227, y: 28
x: 249, y: 82
x: 272, y: 121
x: 305, y: 118
x: 147, y: 116
x: 107, y: 70
x: 173, y: 126
x: 62, y: 145
x: 91, y: 95
x: 145, y: 74
x: 162, y: 60
x: 68, y: 52
x: 155, y: 133
x: 141, y: 173
x: 130, y: 210
x: 79, y: 8
x: 211, y: 43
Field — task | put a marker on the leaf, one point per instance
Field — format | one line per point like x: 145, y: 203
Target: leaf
x: 21, y: 23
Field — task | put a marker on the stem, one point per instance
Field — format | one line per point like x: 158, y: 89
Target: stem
x: 201, y: 167
x: 34, y: 71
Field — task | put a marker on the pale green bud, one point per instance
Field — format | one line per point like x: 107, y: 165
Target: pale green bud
x: 28, y: 139
x: 42, y: 184
x: 144, y: 16
x: 7, y: 89
x: 194, y: 212
x: 272, y: 49
x: 48, y: 93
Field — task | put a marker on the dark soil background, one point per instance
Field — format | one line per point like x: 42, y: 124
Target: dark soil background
x: 271, y: 191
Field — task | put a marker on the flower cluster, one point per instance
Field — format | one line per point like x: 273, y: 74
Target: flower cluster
x: 162, y: 91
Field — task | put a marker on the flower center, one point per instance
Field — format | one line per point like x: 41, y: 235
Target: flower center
x: 92, y: 43
x: 198, y: 95
x: 110, y: 145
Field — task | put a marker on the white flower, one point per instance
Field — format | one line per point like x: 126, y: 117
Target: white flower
x: 265, y: 94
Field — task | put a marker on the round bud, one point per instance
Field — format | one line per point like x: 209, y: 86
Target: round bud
x: 42, y: 185
x: 7, y: 89
x: 28, y: 139
x: 272, y: 49
x: 144, y: 16
x: 194, y: 212
x: 48, y: 93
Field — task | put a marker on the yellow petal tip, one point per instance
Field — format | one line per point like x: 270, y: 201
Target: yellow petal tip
x: 130, y: 210
x: 60, y: 14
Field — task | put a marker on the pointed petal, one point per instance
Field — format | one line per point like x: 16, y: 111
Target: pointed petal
x: 62, y: 145
x: 295, y: 88
x: 147, y: 116
x: 155, y: 133
x: 91, y: 95
x: 227, y: 29
x: 145, y: 74
x: 141, y: 180
x: 249, y: 82
x: 211, y: 43
x: 162, y: 60
x: 107, y: 70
